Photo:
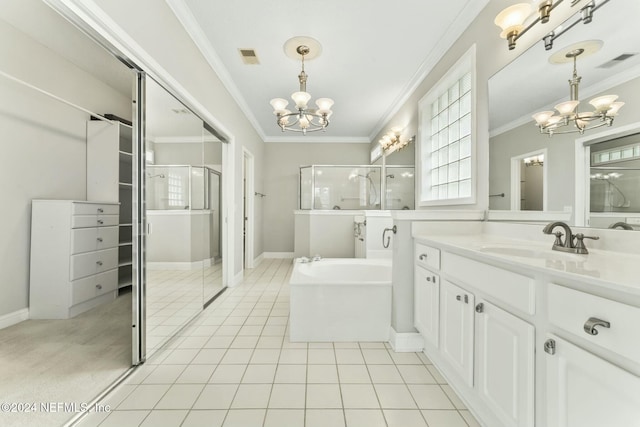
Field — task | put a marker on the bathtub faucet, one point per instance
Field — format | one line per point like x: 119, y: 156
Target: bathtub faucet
x: 316, y: 257
x: 306, y: 260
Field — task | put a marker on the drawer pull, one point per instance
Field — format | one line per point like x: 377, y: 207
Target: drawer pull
x: 99, y: 239
x: 98, y: 286
x: 480, y: 308
x: 99, y: 262
x: 550, y: 346
x: 459, y: 297
x: 100, y: 221
x: 422, y: 257
x: 431, y: 279
x: 100, y: 210
x: 464, y: 298
x: 592, y: 322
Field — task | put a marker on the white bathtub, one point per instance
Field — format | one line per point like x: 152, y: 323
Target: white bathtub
x: 341, y: 299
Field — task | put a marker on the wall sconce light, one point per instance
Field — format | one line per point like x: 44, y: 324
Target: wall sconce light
x: 393, y: 140
x: 511, y: 20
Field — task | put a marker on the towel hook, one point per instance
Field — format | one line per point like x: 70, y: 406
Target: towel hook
x: 385, y: 244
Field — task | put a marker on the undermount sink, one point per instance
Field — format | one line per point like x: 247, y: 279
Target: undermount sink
x: 531, y: 253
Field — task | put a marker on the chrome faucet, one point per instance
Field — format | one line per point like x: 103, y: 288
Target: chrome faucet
x: 621, y: 225
x: 572, y: 243
x: 307, y: 260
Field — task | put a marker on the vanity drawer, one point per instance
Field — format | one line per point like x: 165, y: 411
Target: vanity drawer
x: 93, y: 286
x: 426, y: 256
x: 93, y: 239
x: 570, y: 309
x: 84, y: 221
x: 90, y: 263
x: 511, y: 288
x: 95, y: 209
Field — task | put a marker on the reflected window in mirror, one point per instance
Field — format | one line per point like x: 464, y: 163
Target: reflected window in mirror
x: 446, y: 142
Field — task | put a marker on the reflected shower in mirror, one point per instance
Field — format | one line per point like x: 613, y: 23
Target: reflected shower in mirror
x: 65, y: 319
x: 177, y: 220
x: 213, y: 217
x: 535, y: 82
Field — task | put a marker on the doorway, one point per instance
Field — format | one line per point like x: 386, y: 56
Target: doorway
x: 529, y: 181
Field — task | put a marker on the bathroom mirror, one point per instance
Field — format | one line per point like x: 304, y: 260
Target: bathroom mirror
x: 531, y: 83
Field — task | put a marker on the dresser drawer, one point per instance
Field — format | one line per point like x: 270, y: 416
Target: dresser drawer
x: 93, y: 286
x: 570, y: 309
x: 84, y: 221
x: 93, y: 239
x: 90, y: 263
x: 426, y: 256
x: 512, y: 288
x: 95, y: 209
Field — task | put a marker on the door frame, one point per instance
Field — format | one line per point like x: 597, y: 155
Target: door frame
x: 248, y: 214
x: 516, y: 178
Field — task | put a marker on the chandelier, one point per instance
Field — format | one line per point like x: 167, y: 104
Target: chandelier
x: 569, y: 119
x: 304, y: 119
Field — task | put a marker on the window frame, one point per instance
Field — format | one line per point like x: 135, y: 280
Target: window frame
x: 466, y: 64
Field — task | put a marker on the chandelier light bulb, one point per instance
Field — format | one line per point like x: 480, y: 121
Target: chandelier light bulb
x: 301, y: 99
x: 303, y: 122
x: 324, y: 105
x: 566, y: 108
x: 603, y: 103
x: 615, y: 107
x: 278, y: 104
x: 542, y: 117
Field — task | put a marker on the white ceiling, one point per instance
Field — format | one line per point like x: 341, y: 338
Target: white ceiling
x: 374, y: 54
x: 530, y: 83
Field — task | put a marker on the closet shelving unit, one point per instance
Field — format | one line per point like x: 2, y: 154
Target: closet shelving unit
x: 110, y: 178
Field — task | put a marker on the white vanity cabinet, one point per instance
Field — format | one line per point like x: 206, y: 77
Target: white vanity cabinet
x: 456, y: 329
x: 74, y: 257
x: 505, y: 349
x: 427, y: 304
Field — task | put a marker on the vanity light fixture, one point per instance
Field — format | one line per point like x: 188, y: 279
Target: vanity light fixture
x: 512, y: 19
x: 534, y: 161
x: 605, y: 107
x: 304, y: 119
x: 393, y: 140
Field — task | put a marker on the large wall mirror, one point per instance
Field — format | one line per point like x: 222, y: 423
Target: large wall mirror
x: 532, y: 171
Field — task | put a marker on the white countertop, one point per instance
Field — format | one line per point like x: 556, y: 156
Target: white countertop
x: 613, y: 270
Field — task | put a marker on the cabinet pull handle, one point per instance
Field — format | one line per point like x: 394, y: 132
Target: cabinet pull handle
x: 550, y: 346
x: 592, y: 322
x: 422, y: 257
x: 99, y: 286
x: 99, y: 262
x: 100, y: 221
x: 99, y: 239
x: 100, y: 210
x: 431, y: 279
x: 480, y: 308
x: 466, y: 299
x: 459, y: 297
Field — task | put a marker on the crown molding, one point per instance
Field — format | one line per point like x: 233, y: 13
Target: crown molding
x: 192, y: 27
x: 461, y: 23
x: 183, y: 139
x: 319, y: 139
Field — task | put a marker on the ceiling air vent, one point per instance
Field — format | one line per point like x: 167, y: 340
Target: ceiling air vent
x: 249, y: 56
x: 617, y: 60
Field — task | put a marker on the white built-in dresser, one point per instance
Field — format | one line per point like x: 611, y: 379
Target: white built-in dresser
x: 74, y: 257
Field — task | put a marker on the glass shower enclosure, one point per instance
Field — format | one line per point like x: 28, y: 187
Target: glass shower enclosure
x: 359, y: 187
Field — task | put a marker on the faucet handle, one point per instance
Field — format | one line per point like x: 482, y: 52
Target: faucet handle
x: 558, y: 241
x: 581, y: 236
x: 580, y: 247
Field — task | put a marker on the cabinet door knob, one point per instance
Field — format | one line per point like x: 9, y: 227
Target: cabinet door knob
x: 480, y: 308
x: 99, y: 239
x: 99, y: 286
x: 100, y: 221
x: 592, y: 322
x: 422, y: 257
x: 100, y: 210
x: 99, y: 262
x: 550, y: 346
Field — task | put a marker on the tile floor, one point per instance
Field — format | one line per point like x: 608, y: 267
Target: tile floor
x: 234, y: 366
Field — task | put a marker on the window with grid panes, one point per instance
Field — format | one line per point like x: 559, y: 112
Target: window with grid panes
x: 446, y: 138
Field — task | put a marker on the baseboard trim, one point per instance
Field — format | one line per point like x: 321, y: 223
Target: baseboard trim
x: 278, y: 255
x: 257, y: 260
x: 11, y: 319
x: 180, y: 265
x: 405, y: 342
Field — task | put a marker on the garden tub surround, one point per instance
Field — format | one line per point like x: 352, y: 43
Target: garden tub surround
x: 527, y: 335
x: 336, y: 299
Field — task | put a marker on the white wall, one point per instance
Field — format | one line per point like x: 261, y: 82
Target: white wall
x: 155, y: 28
x: 42, y: 145
x: 281, y: 175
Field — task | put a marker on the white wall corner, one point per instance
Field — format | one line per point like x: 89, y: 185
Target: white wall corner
x: 405, y: 342
x: 237, y: 279
x: 278, y: 255
x: 11, y: 319
x: 257, y: 260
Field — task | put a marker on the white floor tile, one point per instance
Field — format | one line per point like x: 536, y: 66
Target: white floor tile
x: 252, y: 396
x: 453, y: 397
x: 325, y: 345
x: 259, y: 374
x: 244, y: 342
x: 377, y: 356
x: 323, y: 396
x: 196, y: 374
x: 219, y: 342
x: 405, y: 358
x: 265, y: 355
x: 180, y: 356
x: 353, y: 374
x: 269, y: 342
x: 430, y: 397
x: 216, y: 396
x: 394, y: 396
x: 180, y: 396
x: 244, y: 418
x: 442, y: 418
x: 364, y: 418
x: 293, y: 356
x: 200, y: 418
x: 359, y: 396
x: 469, y: 418
x: 416, y: 374
x: 228, y: 374
x: 377, y: 345
x: 385, y: 374
x: 169, y: 418
x: 404, y: 418
x: 349, y: 356
x: 145, y: 396
x: 209, y: 356
x: 291, y: 374
x: 436, y: 374
x: 287, y: 396
x: 324, y: 418
x: 124, y: 418
x: 284, y: 418
x: 321, y: 356
x: 237, y: 356
x: 164, y: 374
x: 317, y: 374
